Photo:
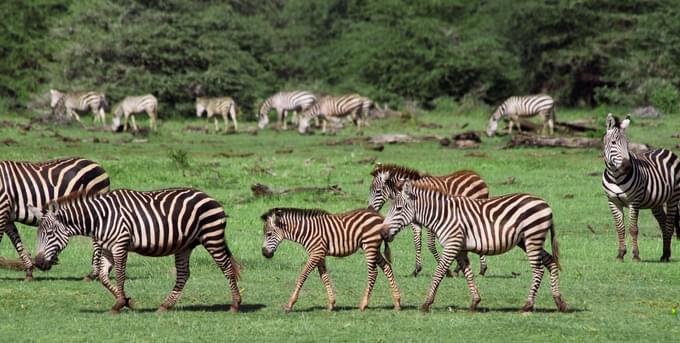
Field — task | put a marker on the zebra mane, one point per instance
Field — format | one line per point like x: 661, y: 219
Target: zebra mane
x: 73, y: 197
x: 304, y: 212
x: 400, y: 170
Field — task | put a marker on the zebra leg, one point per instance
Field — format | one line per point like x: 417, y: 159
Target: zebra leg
x: 482, y: 265
x: 229, y: 268
x: 281, y: 119
x: 325, y: 278
x: 387, y: 269
x: 633, y: 217
x: 105, y: 264
x: 125, y: 122
x: 549, y: 262
x: 18, y: 245
x: 232, y: 115
x: 371, y: 253
x: 464, y: 263
x: 134, y: 124
x: 96, y: 263
x: 417, y: 243
x: 617, y: 213
x: 217, y: 126
x: 102, y: 114
x: 534, y: 250
x: 449, y: 252
x: 294, y: 117
x: 73, y: 114
x: 432, y: 246
x: 312, y: 262
x: 120, y: 255
x: 670, y: 223
x: 153, y: 114
x: 182, y: 268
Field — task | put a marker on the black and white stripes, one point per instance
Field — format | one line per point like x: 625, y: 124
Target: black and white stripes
x: 516, y: 107
x: 284, y: 102
x: 160, y: 223
x: 25, y: 183
x: 135, y: 104
x: 225, y: 106
x: 332, y: 108
x: 80, y: 101
x: 648, y: 180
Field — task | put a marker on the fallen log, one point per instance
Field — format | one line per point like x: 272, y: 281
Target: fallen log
x: 566, y: 142
x: 260, y: 190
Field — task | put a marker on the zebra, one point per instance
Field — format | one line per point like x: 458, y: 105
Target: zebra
x: 157, y: 223
x: 226, y: 106
x: 484, y: 226
x: 285, y: 102
x: 461, y: 183
x: 324, y: 234
x: 26, y: 183
x: 516, y: 107
x: 135, y: 104
x: 81, y: 101
x: 331, y: 108
x: 647, y: 180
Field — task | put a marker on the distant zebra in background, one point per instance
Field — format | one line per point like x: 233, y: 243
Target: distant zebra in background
x: 81, y: 101
x: 25, y: 183
x: 461, y: 183
x: 284, y: 102
x: 324, y: 234
x: 332, y: 108
x: 159, y: 223
x: 226, y: 106
x: 648, y: 180
x: 484, y: 226
x: 517, y: 107
x: 135, y: 104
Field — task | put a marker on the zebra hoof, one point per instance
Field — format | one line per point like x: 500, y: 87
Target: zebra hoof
x: 482, y: 271
x: 129, y: 303
x: 234, y: 308
x: 528, y: 307
x: 665, y: 259
x: 287, y: 308
x: 561, y: 304
x: 163, y: 309
x: 115, y: 311
x: 473, y: 305
x: 636, y: 259
x: 331, y: 306
x: 425, y: 308
x: 89, y: 278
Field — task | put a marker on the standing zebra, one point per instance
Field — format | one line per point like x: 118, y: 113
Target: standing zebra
x: 226, y: 106
x: 331, y: 108
x: 135, y: 104
x: 461, y: 183
x: 648, y: 180
x: 484, y: 226
x: 516, y: 107
x: 25, y: 183
x: 285, y: 102
x: 81, y: 101
x: 159, y: 223
x: 323, y: 234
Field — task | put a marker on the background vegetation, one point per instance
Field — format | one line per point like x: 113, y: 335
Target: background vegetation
x: 584, y: 52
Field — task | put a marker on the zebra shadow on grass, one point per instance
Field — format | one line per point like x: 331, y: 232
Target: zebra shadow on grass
x: 244, y: 308
x: 351, y: 308
x: 517, y: 309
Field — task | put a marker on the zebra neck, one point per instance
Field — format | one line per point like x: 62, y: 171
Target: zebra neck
x: 297, y: 232
x: 423, y: 213
x: 77, y: 220
x: 266, y: 107
x: 621, y: 176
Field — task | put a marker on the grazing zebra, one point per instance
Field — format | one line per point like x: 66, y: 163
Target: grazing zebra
x: 159, y: 223
x: 25, y: 183
x: 135, y: 104
x: 516, y: 107
x: 461, y: 183
x: 81, y: 101
x: 648, y: 180
x: 331, y: 108
x: 323, y: 234
x: 226, y: 106
x: 484, y: 226
x: 285, y: 102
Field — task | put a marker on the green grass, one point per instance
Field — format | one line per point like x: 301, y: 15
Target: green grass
x: 611, y: 301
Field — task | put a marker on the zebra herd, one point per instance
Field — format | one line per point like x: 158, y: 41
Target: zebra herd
x: 69, y: 197
x: 327, y: 108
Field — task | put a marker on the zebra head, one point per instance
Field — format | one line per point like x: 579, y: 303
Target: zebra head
x: 55, y: 96
x: 200, y: 106
x: 303, y: 122
x: 401, y: 212
x: 53, y: 236
x: 264, y: 116
x: 379, y: 192
x: 493, y: 122
x: 273, y: 233
x: 616, y: 154
x: 115, y: 122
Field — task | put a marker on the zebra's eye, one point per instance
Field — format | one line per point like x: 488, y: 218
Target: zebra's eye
x: 268, y: 234
x: 399, y: 208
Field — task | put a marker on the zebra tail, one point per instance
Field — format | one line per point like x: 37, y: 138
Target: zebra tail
x: 677, y: 226
x: 388, y: 252
x: 16, y: 264
x: 555, y: 246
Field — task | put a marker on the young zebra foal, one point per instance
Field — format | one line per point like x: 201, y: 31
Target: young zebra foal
x: 324, y: 234
x: 486, y: 226
x: 461, y: 183
x: 159, y: 223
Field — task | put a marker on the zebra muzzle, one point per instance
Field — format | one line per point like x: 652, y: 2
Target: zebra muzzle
x: 266, y: 253
x: 42, y: 263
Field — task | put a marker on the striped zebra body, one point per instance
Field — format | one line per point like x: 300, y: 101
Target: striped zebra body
x: 323, y: 234
x: 158, y: 223
x: 516, y: 107
x: 484, y: 226
x: 284, y: 102
x: 24, y: 184
x: 80, y: 102
x: 332, y: 108
x: 226, y: 106
x: 461, y: 183
x: 650, y: 180
x: 135, y: 104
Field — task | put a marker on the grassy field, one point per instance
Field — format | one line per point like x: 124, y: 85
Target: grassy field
x: 610, y: 301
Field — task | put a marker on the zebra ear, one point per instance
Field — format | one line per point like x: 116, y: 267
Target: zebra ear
x: 407, y: 188
x: 36, y: 212
x: 625, y: 123
x: 611, y: 121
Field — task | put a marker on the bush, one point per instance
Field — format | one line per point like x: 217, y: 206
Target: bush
x: 665, y: 97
